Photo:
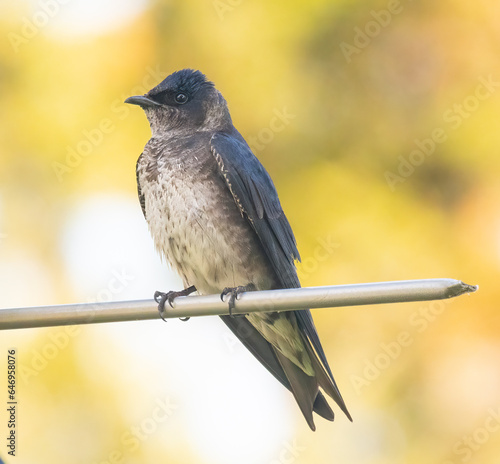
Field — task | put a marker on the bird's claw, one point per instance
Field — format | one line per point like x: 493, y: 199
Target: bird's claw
x: 233, y: 293
x: 161, y: 298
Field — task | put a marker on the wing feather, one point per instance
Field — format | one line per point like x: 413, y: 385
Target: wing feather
x: 256, y: 197
x: 142, y: 199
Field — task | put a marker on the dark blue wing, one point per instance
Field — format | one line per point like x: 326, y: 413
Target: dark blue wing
x: 255, y: 194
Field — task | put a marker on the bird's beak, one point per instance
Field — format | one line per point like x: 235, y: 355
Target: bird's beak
x: 142, y: 101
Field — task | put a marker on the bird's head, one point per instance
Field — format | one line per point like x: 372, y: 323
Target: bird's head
x: 184, y: 101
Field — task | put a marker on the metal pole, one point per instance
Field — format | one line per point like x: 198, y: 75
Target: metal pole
x: 210, y: 305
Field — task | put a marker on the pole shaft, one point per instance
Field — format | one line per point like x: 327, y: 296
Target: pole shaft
x: 210, y: 305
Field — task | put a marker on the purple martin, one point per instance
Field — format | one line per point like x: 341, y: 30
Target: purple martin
x: 215, y: 215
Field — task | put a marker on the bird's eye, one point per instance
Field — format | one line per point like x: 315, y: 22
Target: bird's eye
x: 181, y: 98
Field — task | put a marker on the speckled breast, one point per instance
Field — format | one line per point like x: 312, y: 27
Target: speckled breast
x: 196, y: 224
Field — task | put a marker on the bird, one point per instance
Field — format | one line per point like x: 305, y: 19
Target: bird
x: 215, y: 216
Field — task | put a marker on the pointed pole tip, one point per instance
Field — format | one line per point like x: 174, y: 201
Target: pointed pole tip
x: 469, y: 288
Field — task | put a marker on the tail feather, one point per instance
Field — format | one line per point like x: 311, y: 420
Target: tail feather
x: 322, y: 407
x: 303, y: 386
x: 324, y: 380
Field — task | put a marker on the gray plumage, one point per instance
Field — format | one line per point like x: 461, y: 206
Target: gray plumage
x: 214, y: 214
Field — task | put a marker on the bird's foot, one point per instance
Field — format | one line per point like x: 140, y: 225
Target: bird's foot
x: 161, y: 298
x: 233, y: 293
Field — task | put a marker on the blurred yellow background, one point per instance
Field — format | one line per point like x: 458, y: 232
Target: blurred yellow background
x: 387, y: 164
